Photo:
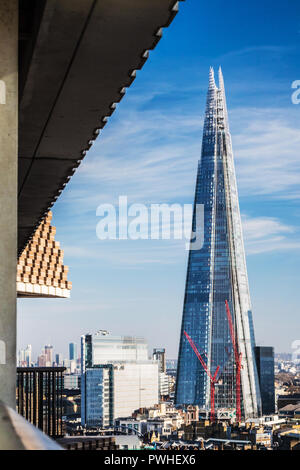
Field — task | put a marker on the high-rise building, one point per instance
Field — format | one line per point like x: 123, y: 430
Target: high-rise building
x: 160, y: 356
x: 28, y: 352
x: 71, y: 381
x: 21, y: 358
x: 117, y: 378
x: 102, y: 348
x: 96, y: 396
x: 39, y: 397
x: 49, y: 354
x: 59, y: 359
x: 217, y: 272
x: 42, y: 360
x: 265, y: 369
x: 164, y: 384
x: 73, y: 352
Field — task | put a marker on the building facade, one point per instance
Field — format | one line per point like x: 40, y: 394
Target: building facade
x: 165, y: 383
x: 59, y: 359
x: 117, y: 378
x: 159, y: 355
x: 216, y: 273
x: 96, y: 397
x: 265, y: 368
x: 103, y: 348
x: 28, y: 353
x: 39, y: 397
x: 73, y: 351
x: 135, y: 385
x: 49, y: 354
x: 72, y: 381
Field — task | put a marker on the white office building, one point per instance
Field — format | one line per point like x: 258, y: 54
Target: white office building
x: 117, y: 378
x: 135, y: 386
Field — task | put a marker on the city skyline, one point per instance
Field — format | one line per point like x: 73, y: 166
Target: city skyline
x: 153, y: 141
x: 26, y: 352
x: 150, y: 227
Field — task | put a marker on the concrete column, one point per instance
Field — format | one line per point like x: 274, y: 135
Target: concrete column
x: 8, y: 196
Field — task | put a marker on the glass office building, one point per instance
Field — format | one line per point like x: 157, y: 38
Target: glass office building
x: 217, y: 272
x: 73, y: 351
x: 265, y: 368
x: 96, y: 386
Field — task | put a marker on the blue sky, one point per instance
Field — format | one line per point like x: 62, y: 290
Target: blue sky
x: 149, y: 151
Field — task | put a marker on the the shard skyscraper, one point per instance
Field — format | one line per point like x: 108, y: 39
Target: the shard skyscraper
x: 217, y: 272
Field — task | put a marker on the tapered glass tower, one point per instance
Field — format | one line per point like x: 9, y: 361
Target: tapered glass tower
x: 217, y: 272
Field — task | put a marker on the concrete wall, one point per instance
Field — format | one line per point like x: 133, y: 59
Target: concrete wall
x: 8, y: 196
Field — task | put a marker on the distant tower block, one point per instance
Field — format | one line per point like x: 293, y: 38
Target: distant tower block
x: 40, y: 270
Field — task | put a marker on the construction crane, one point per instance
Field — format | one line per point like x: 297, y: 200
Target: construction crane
x: 238, y: 362
x: 212, y: 378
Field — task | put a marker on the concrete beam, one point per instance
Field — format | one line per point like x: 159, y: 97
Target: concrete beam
x: 82, y: 57
x: 8, y: 196
x: 17, y: 434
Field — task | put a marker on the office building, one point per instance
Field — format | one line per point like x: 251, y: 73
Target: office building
x: 117, y: 378
x: 72, y: 381
x: 135, y: 386
x: 265, y: 368
x: 49, y: 355
x: 164, y: 384
x: 160, y: 356
x: 96, y: 397
x: 39, y: 397
x: 21, y: 358
x: 102, y: 348
x: 28, y: 353
x: 42, y: 361
x: 73, y: 352
x: 59, y: 359
x: 217, y: 272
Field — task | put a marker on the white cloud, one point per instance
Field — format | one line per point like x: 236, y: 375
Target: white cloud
x: 152, y: 157
x: 266, y: 147
x: 262, y: 227
x: 130, y: 253
x: 266, y: 234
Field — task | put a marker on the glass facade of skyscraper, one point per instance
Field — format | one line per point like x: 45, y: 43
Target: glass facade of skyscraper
x: 96, y: 396
x: 217, y: 272
x: 265, y: 368
x: 73, y: 352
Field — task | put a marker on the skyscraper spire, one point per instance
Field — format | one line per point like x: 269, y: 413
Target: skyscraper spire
x: 223, y: 97
x: 212, y: 83
x: 221, y: 80
x: 217, y: 272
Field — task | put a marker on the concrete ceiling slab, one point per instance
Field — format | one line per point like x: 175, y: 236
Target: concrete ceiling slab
x: 83, y: 54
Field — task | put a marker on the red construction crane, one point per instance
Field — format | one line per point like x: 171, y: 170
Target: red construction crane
x: 212, y: 378
x: 238, y: 362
